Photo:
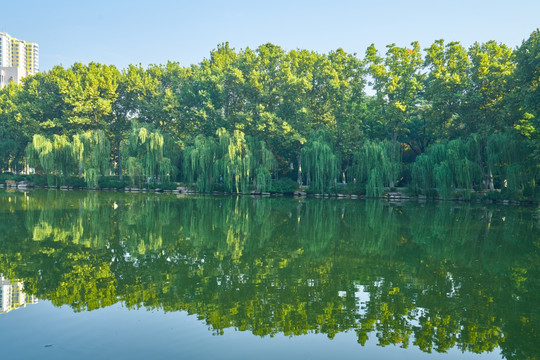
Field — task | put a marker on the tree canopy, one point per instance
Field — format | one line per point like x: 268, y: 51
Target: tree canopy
x: 264, y: 107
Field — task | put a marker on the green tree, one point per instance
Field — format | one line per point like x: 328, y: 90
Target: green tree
x: 447, y: 83
x: 374, y: 166
x: 447, y: 167
x: 53, y: 156
x: 527, y: 90
x: 486, y: 104
x: 16, y: 128
x: 491, y: 68
x: 91, y: 151
x: 143, y: 157
x: 199, y: 163
x: 320, y: 163
x: 397, y: 79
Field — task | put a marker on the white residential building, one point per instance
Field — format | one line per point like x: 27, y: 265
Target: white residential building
x: 18, y: 58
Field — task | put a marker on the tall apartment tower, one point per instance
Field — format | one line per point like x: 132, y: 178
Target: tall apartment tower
x: 18, y: 58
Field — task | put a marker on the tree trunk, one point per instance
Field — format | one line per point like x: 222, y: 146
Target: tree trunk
x: 489, y: 174
x: 121, y: 176
x: 491, y: 187
x: 299, y: 160
x: 392, y: 174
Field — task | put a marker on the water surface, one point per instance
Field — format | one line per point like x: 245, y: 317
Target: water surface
x: 142, y: 275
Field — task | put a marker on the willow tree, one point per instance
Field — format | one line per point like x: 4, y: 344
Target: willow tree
x: 63, y: 158
x: 463, y: 159
x: 143, y: 157
x: 443, y: 179
x: 39, y: 154
x: 263, y: 163
x: 398, y: 80
x: 234, y: 160
x: 91, y: 151
x: 511, y: 169
x: 320, y: 163
x: 376, y: 164
x: 422, y: 172
x: 54, y: 156
x: 446, y: 167
x: 199, y: 163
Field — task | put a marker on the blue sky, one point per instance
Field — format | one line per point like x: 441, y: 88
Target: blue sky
x: 123, y: 32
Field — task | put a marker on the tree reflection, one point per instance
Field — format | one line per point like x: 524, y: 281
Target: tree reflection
x: 436, y: 276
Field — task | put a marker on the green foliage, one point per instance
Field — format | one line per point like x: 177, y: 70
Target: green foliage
x: 143, y: 157
x: 320, y: 163
x: 491, y: 71
x: 352, y: 188
x: 234, y: 161
x: 54, y: 157
x: 397, y: 81
x: 112, y: 182
x: 76, y: 182
x: 527, y: 91
x: 6, y: 176
x: 16, y: 128
x: 199, y: 163
x: 263, y: 162
x: 59, y: 157
x: 283, y: 185
x: 376, y: 165
x: 241, y: 118
x: 447, y: 167
x: 40, y: 153
x: 91, y: 150
x: 446, y: 86
x: 505, y: 158
x: 37, y: 179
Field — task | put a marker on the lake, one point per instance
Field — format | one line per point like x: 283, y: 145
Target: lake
x: 122, y: 275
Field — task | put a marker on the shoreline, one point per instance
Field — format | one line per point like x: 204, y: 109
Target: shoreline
x: 392, y: 196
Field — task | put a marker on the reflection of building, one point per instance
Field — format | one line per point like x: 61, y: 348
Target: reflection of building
x: 18, y: 58
x: 12, y: 295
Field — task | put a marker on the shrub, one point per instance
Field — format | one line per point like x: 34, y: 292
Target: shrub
x: 113, y: 182
x: 37, y: 179
x: 353, y: 188
x: 509, y: 194
x: 529, y: 191
x: 493, y: 195
x: 75, y: 182
x: 169, y: 186
x: 6, y: 176
x: 283, y: 185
